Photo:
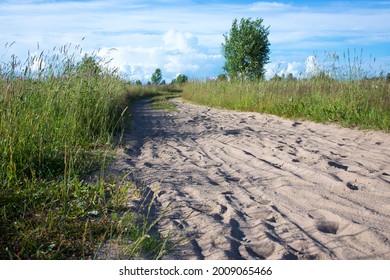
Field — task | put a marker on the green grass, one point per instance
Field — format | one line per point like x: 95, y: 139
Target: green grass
x: 159, y: 95
x: 356, y: 103
x: 162, y: 101
x: 57, y: 124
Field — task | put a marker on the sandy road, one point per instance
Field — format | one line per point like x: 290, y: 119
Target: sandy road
x: 254, y: 186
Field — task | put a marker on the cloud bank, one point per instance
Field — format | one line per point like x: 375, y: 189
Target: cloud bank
x: 175, y: 52
x: 186, y: 36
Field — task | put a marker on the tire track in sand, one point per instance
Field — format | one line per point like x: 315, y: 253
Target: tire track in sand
x: 254, y: 186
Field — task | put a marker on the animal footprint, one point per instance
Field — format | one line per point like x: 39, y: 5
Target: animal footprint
x: 223, y: 209
x: 337, y: 165
x: 328, y: 227
x: 352, y: 186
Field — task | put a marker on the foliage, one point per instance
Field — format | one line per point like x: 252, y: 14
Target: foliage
x: 246, y: 49
x: 180, y: 80
x: 138, y: 83
x: 289, y: 77
x: 156, y: 77
x: 88, y: 67
x: 222, y: 78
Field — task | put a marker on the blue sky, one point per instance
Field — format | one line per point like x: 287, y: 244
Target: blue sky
x: 185, y: 36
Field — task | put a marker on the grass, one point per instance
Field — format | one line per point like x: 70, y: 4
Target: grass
x: 355, y: 103
x: 162, y: 101
x: 159, y: 95
x: 58, y: 121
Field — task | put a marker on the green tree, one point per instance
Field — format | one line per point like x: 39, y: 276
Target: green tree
x: 156, y: 77
x: 290, y: 77
x: 222, y: 78
x: 322, y: 75
x: 181, y: 79
x: 88, y: 66
x: 246, y: 49
x: 276, y: 78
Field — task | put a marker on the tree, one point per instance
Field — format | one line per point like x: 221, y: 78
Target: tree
x: 156, y: 77
x: 88, y: 66
x: 290, y: 77
x: 322, y: 75
x: 246, y: 49
x: 222, y: 78
x: 276, y: 78
x: 181, y: 79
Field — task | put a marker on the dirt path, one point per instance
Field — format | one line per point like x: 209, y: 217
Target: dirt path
x: 254, y: 186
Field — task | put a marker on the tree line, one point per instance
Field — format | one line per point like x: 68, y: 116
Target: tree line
x: 157, y: 79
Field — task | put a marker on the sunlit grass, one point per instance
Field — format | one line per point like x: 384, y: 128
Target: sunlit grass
x: 355, y: 103
x: 58, y: 120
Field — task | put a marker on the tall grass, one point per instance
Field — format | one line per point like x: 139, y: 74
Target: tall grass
x: 58, y: 117
x: 350, y: 100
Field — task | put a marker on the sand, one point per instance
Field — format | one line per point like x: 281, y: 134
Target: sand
x: 255, y: 186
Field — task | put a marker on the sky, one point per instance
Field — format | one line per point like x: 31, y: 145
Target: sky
x: 185, y: 37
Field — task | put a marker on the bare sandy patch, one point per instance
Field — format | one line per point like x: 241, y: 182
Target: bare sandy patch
x: 254, y: 186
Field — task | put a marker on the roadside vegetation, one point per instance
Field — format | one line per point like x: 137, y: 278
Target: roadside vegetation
x: 362, y: 103
x: 59, y: 120
x: 159, y: 95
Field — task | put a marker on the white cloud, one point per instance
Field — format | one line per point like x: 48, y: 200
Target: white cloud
x: 175, y: 52
x: 283, y: 68
x: 293, y: 68
x: 269, y: 6
x: 312, y: 66
x: 271, y: 70
x: 181, y: 41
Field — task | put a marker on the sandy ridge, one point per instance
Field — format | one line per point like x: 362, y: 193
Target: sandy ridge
x: 254, y: 186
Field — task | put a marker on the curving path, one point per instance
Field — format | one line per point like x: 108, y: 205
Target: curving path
x: 254, y: 186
